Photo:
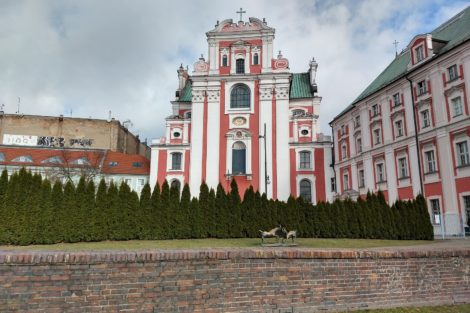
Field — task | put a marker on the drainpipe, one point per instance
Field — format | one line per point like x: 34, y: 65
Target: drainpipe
x: 332, y: 165
x: 416, y: 137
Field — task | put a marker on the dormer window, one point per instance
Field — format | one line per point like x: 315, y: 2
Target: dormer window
x: 2, y: 157
x: 81, y: 161
x: 422, y: 88
x: 23, y: 159
x: 453, y: 74
x: 53, y: 160
x: 419, y: 52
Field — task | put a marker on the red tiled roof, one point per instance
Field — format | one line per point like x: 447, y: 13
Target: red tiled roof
x: 125, y: 164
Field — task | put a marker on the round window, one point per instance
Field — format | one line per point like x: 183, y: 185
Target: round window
x: 304, y: 132
x: 176, y: 134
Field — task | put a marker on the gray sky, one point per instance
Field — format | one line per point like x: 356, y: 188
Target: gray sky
x: 89, y: 57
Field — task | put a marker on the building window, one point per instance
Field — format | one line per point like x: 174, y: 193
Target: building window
x: 176, y: 158
x: 425, y: 118
x: 240, y: 66
x: 359, y: 145
x: 399, y: 128
x: 453, y: 74
x: 435, y: 211
x: 23, y: 159
x: 305, y: 157
x: 53, y: 160
x: 297, y: 112
x: 333, y: 184
x: 457, y: 106
x: 141, y: 181
x: 357, y: 121
x: 2, y: 157
x: 137, y: 164
x: 306, y: 190
x: 343, y: 152
x: 430, y: 162
x: 422, y: 88
x: 81, y: 161
x: 402, y: 168
x: 346, y: 181
x: 175, y: 184
x: 375, y: 110
x: 187, y: 114
x: 462, y: 153
x: 380, y: 172
x: 419, y: 51
x: 239, y: 158
x: 128, y: 181
x: 377, y: 136
x: 343, y: 130
x: 224, y: 60
x: 396, y: 99
x: 361, y: 178
x: 240, y: 97
x: 466, y: 203
x: 255, y: 59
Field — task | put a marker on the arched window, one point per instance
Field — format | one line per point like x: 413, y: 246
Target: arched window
x: 304, y: 160
x: 53, y: 160
x: 81, y: 161
x: 176, y: 184
x: 187, y: 114
x: 238, y: 158
x: 255, y: 59
x: 240, y: 97
x: 240, y: 66
x: 306, y: 190
x: 176, y: 158
x: 23, y: 159
x: 224, y: 60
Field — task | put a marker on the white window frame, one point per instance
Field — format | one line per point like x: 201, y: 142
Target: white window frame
x: 396, y: 99
x: 375, y: 110
x: 462, y: 153
x: 361, y: 179
x: 357, y: 121
x: 427, y: 169
x: 399, y: 128
x: 300, y: 161
x: 453, y: 72
x: 402, y: 165
x: 421, y: 87
x: 346, y: 181
x: 453, y: 102
x: 169, y: 160
x: 228, y: 90
x: 380, y: 176
x: 344, y: 152
x: 358, y: 144
x: 297, y: 153
x: 312, y: 179
x: 425, y: 117
x: 377, y: 136
x: 436, y: 219
x: 419, y: 53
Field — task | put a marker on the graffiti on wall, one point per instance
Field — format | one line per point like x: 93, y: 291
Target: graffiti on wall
x: 45, y: 141
x: 81, y: 142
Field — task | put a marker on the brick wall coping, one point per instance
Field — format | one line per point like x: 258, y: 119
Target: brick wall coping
x: 10, y: 257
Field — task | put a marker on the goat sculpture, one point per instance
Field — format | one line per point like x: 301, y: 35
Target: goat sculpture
x: 278, y: 232
x: 292, y: 234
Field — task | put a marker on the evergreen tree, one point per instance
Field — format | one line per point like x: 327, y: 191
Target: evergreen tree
x: 154, y: 226
x: 164, y: 207
x: 89, y: 209
x: 235, y: 228
x: 112, y: 217
x: 42, y: 233
x: 221, y: 213
x: 102, y: 213
x: 68, y: 212
x: 210, y: 218
x: 184, y: 213
x: 200, y: 215
x: 144, y: 214
x: 249, y: 219
x: 173, y: 212
x: 56, y: 217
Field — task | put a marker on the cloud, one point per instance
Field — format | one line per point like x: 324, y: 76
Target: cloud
x: 87, y: 58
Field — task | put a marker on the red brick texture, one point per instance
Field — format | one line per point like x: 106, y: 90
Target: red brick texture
x: 237, y: 280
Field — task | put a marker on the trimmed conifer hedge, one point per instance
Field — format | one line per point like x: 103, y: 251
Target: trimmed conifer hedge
x: 34, y: 211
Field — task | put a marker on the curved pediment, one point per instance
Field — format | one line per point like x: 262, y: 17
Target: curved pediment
x: 228, y: 26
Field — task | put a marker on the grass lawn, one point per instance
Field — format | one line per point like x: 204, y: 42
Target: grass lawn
x: 216, y: 243
x: 433, y: 309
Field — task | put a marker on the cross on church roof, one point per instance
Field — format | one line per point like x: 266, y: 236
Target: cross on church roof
x: 241, y: 13
x: 396, y: 44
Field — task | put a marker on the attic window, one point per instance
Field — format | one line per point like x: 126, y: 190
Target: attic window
x: 23, y: 159
x: 53, y: 160
x: 137, y: 164
x: 113, y: 163
x: 2, y: 157
x: 81, y: 161
x: 419, y: 51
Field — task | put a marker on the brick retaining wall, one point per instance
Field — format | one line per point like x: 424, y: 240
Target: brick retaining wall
x: 237, y: 280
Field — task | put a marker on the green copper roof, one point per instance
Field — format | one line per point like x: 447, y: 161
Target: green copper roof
x: 454, y: 32
x: 300, y: 86
x: 186, y: 93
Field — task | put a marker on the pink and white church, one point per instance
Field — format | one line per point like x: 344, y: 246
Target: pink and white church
x: 241, y: 114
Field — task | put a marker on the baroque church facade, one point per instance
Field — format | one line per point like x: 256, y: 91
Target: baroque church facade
x: 241, y: 114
